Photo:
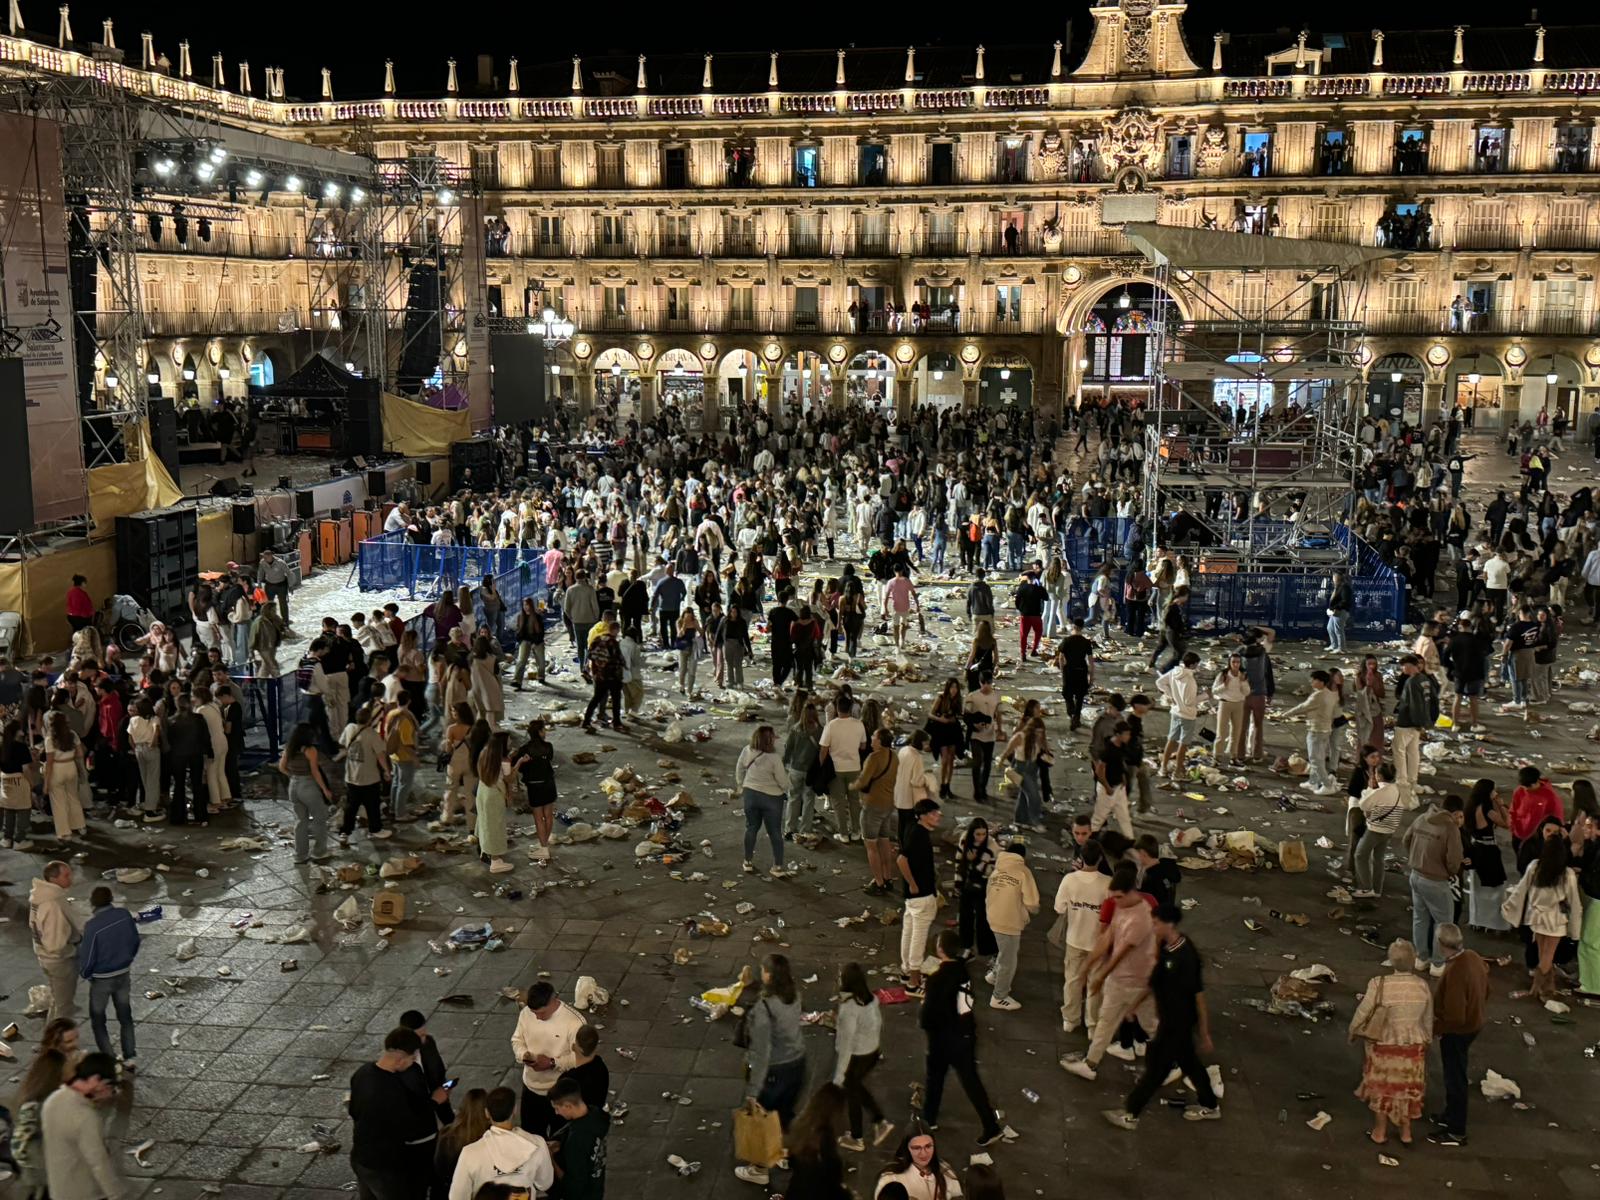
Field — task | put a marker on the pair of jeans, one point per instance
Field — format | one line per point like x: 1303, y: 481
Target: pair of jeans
x: 1453, y: 1049
x: 1016, y: 545
x: 311, y: 818
x: 1370, y: 853
x: 605, y: 690
x: 117, y: 990
x: 1005, y: 963
x: 525, y: 651
x: 1318, y: 744
x: 846, y: 807
x: 688, y: 664
x: 763, y: 810
x: 1432, y: 905
x: 856, y: 1096
x: 403, y: 779
x: 1336, y: 624
x: 580, y: 639
x: 982, y: 764
x: 149, y: 761
x: 1030, y: 799
x: 961, y: 1056
x: 802, y: 803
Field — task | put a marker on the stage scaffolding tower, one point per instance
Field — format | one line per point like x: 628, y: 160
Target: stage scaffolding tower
x: 1288, y: 364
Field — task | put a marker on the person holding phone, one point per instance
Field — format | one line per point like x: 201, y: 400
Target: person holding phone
x: 430, y: 1062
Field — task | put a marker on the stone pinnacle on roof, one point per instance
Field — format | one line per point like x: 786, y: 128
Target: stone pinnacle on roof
x: 388, y: 77
x: 64, y: 31
x: 978, y: 72
x: 512, y: 84
x: 450, y: 85
x: 108, y: 37
x: 705, y: 77
x: 772, y: 71
x: 1055, y: 63
x: 577, y: 74
x: 1377, y: 47
x: 911, y: 64
x: 327, y: 84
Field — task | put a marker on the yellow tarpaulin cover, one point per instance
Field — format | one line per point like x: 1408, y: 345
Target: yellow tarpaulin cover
x: 124, y: 488
x: 415, y: 429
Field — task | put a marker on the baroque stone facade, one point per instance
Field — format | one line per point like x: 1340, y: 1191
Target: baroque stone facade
x: 728, y: 231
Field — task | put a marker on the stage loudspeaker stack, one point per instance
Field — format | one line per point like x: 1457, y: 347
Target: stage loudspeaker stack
x: 16, y: 497
x: 158, y: 557
x: 164, y: 432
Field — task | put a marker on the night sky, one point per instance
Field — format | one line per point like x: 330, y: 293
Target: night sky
x: 355, y: 38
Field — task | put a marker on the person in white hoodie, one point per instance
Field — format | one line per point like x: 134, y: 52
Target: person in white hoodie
x: 1182, y: 693
x: 56, y: 927
x: 504, y: 1154
x: 216, y: 779
x: 1011, y: 898
x: 543, y: 1044
x: 1079, y: 899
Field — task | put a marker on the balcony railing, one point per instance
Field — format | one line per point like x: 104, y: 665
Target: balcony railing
x: 805, y: 243
x: 210, y: 322
x: 601, y: 248
x: 675, y: 247
x: 532, y: 245
x: 1532, y: 322
x: 875, y: 244
x: 742, y: 245
x: 1506, y: 236
x: 1585, y: 236
x: 942, y: 322
x: 943, y: 242
x: 225, y: 243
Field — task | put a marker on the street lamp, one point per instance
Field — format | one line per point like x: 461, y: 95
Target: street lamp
x: 551, y: 326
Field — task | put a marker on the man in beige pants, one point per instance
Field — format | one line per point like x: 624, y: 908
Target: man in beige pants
x: 1078, y: 899
x: 1125, y: 975
x: 56, y: 928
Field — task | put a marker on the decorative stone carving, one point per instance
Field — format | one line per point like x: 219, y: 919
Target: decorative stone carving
x: 1136, y: 34
x: 1131, y: 147
x: 1052, y: 155
x: 1213, y: 147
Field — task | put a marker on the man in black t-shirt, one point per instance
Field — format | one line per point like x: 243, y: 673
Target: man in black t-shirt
x: 915, y: 863
x: 1111, y: 782
x: 1075, y: 657
x: 1179, y: 991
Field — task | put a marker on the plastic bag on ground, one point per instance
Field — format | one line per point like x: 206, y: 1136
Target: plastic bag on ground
x: 1497, y: 1087
x: 38, y: 1000
x: 589, y: 995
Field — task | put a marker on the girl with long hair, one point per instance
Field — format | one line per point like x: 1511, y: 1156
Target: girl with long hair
x: 775, y: 1059
x: 858, y: 1029
x: 470, y: 1124
x: 974, y: 862
x: 309, y: 793
x: 491, y: 823
x: 461, y: 785
x: 1548, y: 904
x: 946, y: 732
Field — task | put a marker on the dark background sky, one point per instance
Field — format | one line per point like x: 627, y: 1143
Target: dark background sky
x: 355, y: 38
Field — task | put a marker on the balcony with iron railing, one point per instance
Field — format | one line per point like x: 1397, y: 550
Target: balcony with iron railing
x: 742, y: 244
x: 940, y: 322
x: 1584, y: 235
x: 806, y: 243
x: 877, y: 243
x: 675, y: 246
x: 1506, y: 235
x: 600, y: 247
x: 224, y: 243
x: 1467, y: 322
x: 210, y: 322
x: 535, y: 245
x: 942, y: 243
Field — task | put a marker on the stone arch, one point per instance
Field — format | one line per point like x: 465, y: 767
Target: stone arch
x: 1075, y: 311
x: 1476, y: 382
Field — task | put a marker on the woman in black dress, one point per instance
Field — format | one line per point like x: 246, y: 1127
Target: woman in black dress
x: 946, y: 732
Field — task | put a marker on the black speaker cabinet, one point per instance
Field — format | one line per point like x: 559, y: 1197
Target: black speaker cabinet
x: 164, y: 432
x: 305, y: 504
x: 158, y: 558
x: 244, y: 518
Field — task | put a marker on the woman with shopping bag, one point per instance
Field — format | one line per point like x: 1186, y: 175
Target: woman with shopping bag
x: 775, y: 1063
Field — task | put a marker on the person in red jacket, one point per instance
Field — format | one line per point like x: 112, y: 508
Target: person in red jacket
x: 80, y: 607
x: 1534, y: 801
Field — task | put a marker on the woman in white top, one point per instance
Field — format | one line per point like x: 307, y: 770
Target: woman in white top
x: 1381, y: 808
x: 918, y: 1168
x: 857, y: 1031
x: 1548, y: 901
x: 1058, y: 595
x: 488, y: 696
x: 366, y: 764
x: 910, y: 780
x: 146, y: 735
x: 1230, y: 689
x: 765, y: 785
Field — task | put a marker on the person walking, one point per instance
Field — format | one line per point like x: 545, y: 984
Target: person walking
x: 1124, y: 975
x: 981, y: 713
x: 879, y: 826
x: 763, y: 784
x: 1320, y: 707
x: 975, y: 857
x: 366, y: 768
x: 105, y: 958
x: 840, y: 746
x: 1079, y: 898
x: 1434, y: 856
x: 1012, y: 898
x: 1111, y: 781
x: 1075, y: 657
x: 1182, y: 693
x: 916, y: 866
x: 77, y: 1164
x: 605, y: 669
x: 899, y: 602
x: 857, y: 1034
x: 309, y: 793
x: 57, y: 929
x: 1395, y: 1021
x: 1459, y: 1014
x: 490, y: 824
x: 775, y: 1060
x: 529, y: 633
x: 799, y: 757
x: 1183, y: 1027
x: 1549, y: 904
x: 1380, y: 814
x: 951, y: 1027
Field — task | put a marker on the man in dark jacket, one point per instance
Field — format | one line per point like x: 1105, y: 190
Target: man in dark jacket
x: 579, y: 1144
x: 1257, y: 659
x: 980, y: 600
x: 1416, y: 707
x: 780, y: 624
x: 430, y: 1063
x: 105, y: 958
x: 953, y: 1040
x: 1030, y: 601
x: 188, y: 747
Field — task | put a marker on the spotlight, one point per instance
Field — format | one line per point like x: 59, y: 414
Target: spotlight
x: 155, y: 227
x: 204, y: 171
x: 254, y: 178
x: 165, y: 166
x: 330, y: 190
x: 112, y: 381
x: 357, y: 195
x: 351, y: 367
x: 180, y: 225
x: 218, y: 153
x: 293, y: 183
x: 445, y: 196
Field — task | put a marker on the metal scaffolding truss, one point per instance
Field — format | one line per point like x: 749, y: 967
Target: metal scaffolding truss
x: 1256, y: 402
x: 413, y: 299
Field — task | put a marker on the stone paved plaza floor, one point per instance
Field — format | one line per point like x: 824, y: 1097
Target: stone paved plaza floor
x: 239, y: 1059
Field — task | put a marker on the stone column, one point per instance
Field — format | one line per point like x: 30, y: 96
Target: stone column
x: 1432, y: 403
x: 1511, y: 404
x: 969, y: 391
x: 836, y: 378
x: 1588, y: 404
x: 647, y: 398
x: 773, y: 383
x: 905, y: 392
x: 585, y: 394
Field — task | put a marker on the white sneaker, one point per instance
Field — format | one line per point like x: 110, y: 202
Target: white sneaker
x: 881, y: 1132
x: 757, y: 1175
x: 1172, y: 1077
x: 1079, y: 1067
x: 1120, y: 1118
x: 5, y: 843
x: 1436, y: 969
x: 539, y: 852
x: 1068, y: 1027
x: 1004, y: 1003
x: 500, y: 866
x: 1199, y: 1112
x: 384, y: 835
x: 23, y: 847
x: 850, y: 1142
x: 988, y: 976
x: 1122, y: 1052
x: 749, y: 867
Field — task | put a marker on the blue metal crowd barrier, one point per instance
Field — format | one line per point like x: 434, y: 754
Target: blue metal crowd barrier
x: 393, y: 563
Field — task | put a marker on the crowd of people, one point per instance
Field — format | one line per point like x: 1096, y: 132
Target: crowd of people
x: 788, y: 541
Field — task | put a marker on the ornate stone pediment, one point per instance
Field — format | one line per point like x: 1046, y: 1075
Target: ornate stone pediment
x: 1130, y: 145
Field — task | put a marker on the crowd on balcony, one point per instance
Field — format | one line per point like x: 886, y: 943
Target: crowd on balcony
x: 1411, y: 155
x: 1411, y: 230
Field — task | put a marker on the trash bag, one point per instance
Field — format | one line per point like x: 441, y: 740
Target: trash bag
x: 348, y: 913
x: 589, y: 995
x: 38, y: 1000
x: 1497, y: 1087
x: 1292, y: 856
x: 674, y: 732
